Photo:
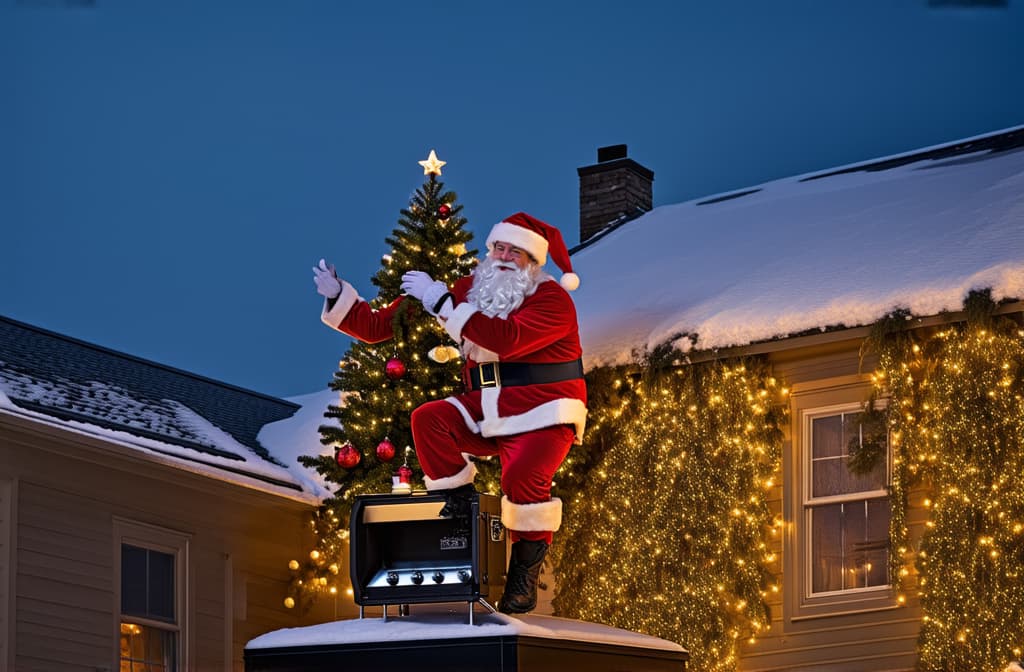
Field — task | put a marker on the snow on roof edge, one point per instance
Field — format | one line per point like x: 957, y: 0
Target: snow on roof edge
x: 138, y: 447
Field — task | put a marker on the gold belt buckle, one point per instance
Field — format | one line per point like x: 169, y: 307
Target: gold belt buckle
x: 495, y: 379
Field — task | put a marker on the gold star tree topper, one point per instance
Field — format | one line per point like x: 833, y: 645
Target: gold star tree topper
x: 432, y: 166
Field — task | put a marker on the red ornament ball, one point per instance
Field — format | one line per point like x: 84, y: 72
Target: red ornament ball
x: 385, y: 451
x: 444, y: 211
x: 394, y: 369
x: 347, y: 456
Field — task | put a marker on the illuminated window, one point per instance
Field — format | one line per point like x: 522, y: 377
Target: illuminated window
x: 152, y: 571
x: 846, y: 510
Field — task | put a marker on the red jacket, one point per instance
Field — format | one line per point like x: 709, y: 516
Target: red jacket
x: 542, y: 330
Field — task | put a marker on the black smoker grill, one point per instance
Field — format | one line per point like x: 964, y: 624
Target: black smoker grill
x: 403, y: 553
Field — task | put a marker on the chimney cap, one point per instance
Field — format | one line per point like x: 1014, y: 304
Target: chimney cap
x: 611, y: 153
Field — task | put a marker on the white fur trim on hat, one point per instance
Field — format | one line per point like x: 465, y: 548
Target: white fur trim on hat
x: 537, y: 517
x: 521, y: 237
x: 465, y: 475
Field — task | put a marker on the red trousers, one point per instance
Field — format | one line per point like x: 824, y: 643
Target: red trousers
x: 528, y: 460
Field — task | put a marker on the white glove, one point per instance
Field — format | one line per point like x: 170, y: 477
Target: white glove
x: 327, y: 283
x: 420, y: 285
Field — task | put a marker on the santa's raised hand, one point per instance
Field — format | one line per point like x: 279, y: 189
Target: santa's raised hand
x: 326, y: 280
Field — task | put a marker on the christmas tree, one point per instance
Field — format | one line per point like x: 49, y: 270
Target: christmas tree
x: 380, y: 384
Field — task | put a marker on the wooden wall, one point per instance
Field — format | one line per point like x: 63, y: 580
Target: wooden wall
x: 71, y: 489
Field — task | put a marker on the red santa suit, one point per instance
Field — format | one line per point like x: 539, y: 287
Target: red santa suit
x: 529, y: 420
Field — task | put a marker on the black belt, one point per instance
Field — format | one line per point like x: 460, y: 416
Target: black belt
x: 494, y: 374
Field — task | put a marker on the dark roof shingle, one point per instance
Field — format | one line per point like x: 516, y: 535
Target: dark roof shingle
x: 69, y: 379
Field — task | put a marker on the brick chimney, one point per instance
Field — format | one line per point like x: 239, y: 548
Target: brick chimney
x: 615, y: 188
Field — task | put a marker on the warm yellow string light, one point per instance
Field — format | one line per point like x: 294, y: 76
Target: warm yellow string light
x: 960, y: 434
x: 675, y: 511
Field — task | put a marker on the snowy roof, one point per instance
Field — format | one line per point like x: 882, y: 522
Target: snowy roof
x: 179, y: 418
x: 433, y: 624
x: 840, y: 247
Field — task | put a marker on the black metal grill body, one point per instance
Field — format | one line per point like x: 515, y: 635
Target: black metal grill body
x: 403, y: 552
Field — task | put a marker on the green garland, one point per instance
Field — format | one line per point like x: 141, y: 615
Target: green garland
x: 671, y: 533
x: 956, y: 420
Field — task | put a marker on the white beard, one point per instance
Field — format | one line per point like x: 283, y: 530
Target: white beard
x: 499, y: 287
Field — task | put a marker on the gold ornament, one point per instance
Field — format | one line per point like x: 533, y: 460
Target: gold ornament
x: 443, y: 353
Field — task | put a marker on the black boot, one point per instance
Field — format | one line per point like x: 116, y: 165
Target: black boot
x: 523, y: 573
x: 458, y: 502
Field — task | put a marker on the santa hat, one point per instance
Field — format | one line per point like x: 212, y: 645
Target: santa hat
x: 538, y: 239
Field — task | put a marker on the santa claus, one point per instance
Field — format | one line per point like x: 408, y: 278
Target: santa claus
x: 525, y: 397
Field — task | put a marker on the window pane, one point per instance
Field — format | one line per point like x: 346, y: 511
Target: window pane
x: 830, y: 473
x: 875, y: 480
x: 876, y: 541
x: 855, y: 560
x: 826, y: 548
x: 147, y: 583
x: 161, y: 585
x: 850, y: 545
x: 827, y: 435
x: 133, y: 580
x: 828, y: 477
x: 148, y: 649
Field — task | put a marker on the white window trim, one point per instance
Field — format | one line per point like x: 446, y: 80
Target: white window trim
x: 164, y: 540
x: 807, y: 503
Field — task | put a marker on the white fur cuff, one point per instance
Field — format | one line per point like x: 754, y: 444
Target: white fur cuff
x: 539, y: 517
x: 466, y: 475
x: 458, y: 320
x: 333, y: 316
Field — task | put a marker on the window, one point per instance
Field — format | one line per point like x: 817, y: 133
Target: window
x: 152, y: 571
x: 846, y: 510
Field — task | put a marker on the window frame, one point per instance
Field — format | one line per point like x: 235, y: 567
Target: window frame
x: 808, y: 503
x: 163, y: 540
x: 816, y: 399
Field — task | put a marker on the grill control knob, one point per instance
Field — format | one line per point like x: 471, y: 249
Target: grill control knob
x: 417, y: 577
x: 393, y: 578
x: 464, y: 575
x: 438, y: 576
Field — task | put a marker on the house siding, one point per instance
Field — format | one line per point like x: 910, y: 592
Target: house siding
x: 6, y: 576
x: 70, y: 494
x: 63, y: 582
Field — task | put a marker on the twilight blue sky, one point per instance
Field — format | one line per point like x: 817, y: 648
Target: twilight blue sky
x: 170, y: 171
